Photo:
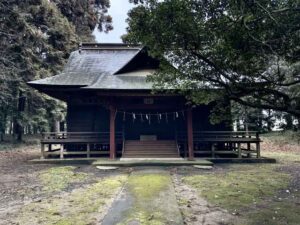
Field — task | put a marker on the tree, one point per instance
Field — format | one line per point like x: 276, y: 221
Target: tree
x: 241, y: 50
x: 36, y: 37
x: 86, y: 15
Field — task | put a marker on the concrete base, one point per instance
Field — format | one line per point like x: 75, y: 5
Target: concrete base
x: 151, y: 162
x: 133, y: 163
x: 147, y: 159
x: 242, y: 160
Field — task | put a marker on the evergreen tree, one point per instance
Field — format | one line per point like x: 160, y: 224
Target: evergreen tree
x: 36, y: 37
x: 245, y: 51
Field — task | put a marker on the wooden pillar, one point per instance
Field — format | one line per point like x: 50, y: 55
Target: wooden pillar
x: 112, y: 138
x: 190, y: 134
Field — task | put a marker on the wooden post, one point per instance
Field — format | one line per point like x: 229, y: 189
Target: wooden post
x: 258, y: 149
x: 112, y: 138
x: 190, y: 134
x: 88, y: 150
x: 239, y: 150
x: 43, y: 151
x: 61, y: 151
x: 213, y: 155
x: 248, y: 146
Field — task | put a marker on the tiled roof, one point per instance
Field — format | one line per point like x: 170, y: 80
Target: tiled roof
x: 94, y: 66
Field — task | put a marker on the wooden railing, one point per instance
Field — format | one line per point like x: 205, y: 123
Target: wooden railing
x: 78, y: 136
x: 214, y: 143
x: 77, y: 143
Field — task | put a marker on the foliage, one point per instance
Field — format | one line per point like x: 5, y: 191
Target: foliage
x: 86, y: 15
x: 248, y: 51
x: 36, y: 38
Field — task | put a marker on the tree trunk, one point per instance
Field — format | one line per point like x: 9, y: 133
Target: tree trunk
x: 17, y: 124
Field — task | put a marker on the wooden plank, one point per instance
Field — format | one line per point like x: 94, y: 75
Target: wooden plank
x: 79, y: 153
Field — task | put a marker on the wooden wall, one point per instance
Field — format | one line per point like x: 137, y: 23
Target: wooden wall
x: 87, y: 118
x: 95, y: 118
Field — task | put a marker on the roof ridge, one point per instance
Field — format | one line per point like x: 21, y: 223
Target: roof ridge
x: 107, y: 46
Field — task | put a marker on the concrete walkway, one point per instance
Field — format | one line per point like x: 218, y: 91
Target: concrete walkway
x: 147, y: 199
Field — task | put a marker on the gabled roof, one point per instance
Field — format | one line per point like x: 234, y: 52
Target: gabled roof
x: 136, y: 80
x: 95, y: 66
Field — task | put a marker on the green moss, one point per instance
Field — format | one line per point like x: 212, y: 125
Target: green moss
x: 151, y: 193
x: 80, y: 207
x: 241, y: 186
x: 58, y: 178
x: 146, y: 186
x: 276, y: 213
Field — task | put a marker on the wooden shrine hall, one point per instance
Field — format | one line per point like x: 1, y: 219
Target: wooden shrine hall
x: 112, y: 112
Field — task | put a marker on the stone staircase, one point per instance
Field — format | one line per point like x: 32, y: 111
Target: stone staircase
x: 150, y: 149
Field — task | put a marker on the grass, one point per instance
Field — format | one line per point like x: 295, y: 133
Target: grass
x: 240, y: 187
x: 80, y: 207
x: 58, y: 178
x: 276, y: 213
x: 283, y: 157
x: 283, y: 137
x: 9, y: 144
x: 252, y: 191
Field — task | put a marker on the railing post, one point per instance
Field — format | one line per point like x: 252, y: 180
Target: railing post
x: 61, y: 151
x: 213, y: 150
x: 88, y: 150
x: 190, y: 133
x: 239, y: 150
x: 257, y: 149
x: 43, y: 151
x: 112, y: 138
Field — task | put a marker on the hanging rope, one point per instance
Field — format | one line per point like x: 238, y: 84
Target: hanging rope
x: 147, y: 116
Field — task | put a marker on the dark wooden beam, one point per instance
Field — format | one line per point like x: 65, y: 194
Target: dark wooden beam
x: 190, y: 133
x: 157, y: 107
x: 112, y: 138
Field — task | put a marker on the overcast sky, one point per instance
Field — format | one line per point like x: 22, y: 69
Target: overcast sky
x: 118, y: 10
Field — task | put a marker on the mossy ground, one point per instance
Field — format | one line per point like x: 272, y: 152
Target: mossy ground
x: 256, y: 193
x: 154, y: 200
x: 80, y: 207
x: 240, y: 186
x: 58, y: 178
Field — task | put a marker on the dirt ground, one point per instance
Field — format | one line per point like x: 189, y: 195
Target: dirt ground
x: 227, y: 194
